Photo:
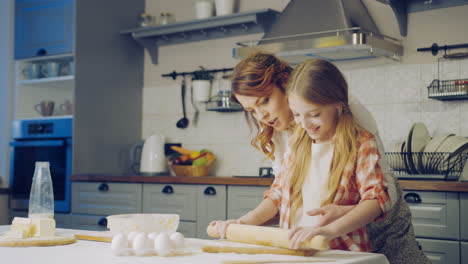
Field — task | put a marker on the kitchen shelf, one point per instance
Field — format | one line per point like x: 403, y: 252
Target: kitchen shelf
x: 51, y: 81
x: 202, y: 29
x: 448, y: 89
x: 218, y: 106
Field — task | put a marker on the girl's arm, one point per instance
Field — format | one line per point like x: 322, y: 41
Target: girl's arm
x: 364, y: 213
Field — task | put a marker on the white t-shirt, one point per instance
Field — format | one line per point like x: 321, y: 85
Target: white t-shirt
x: 364, y: 118
x: 315, y: 183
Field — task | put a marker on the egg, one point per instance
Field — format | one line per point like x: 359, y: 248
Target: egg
x: 178, y: 240
x: 162, y: 244
x: 140, y: 244
x: 130, y: 237
x: 119, y: 244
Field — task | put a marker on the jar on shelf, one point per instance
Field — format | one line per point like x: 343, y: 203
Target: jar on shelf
x: 145, y: 20
x: 166, y: 18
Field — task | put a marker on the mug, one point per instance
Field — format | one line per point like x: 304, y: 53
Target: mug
x: 67, y: 107
x: 32, y: 71
x: 67, y: 68
x: 45, y: 108
x: 50, y: 69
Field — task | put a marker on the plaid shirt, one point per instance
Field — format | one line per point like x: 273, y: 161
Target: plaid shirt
x: 361, y: 180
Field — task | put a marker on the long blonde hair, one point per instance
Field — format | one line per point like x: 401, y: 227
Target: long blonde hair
x: 253, y: 76
x: 320, y: 82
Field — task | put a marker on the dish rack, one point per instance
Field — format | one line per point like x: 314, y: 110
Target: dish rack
x: 448, y: 89
x: 427, y: 165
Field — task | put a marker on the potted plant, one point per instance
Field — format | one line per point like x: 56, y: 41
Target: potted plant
x: 201, y: 84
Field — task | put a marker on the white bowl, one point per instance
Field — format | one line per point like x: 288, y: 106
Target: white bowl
x: 147, y: 223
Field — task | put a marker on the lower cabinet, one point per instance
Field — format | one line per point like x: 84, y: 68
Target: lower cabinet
x: 211, y: 205
x: 89, y: 222
x: 464, y: 252
x: 441, y: 251
x: 188, y: 229
x: 242, y: 199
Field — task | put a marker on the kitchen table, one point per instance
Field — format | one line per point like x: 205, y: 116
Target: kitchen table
x: 88, y: 252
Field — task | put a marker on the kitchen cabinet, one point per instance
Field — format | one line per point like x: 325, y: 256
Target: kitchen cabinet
x: 89, y: 222
x: 211, y: 205
x: 464, y: 252
x: 242, y: 199
x: 106, y: 198
x: 464, y: 216
x: 440, y: 251
x: 43, y: 27
x: 435, y: 214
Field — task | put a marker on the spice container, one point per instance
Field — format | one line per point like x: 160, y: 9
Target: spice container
x: 145, y: 20
x: 166, y: 18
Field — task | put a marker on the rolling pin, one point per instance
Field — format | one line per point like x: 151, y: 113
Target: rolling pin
x: 266, y: 236
x: 255, y: 250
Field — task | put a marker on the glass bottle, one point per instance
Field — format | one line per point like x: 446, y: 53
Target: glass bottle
x: 41, y: 198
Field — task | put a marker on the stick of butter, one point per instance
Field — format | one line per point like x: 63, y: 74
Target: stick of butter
x: 22, y: 225
x: 43, y: 227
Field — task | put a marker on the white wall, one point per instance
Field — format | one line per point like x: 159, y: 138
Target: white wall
x: 6, y: 76
x: 395, y: 92
x: 6, y: 84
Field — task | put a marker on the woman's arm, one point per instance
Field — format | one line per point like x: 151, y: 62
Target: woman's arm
x: 265, y: 211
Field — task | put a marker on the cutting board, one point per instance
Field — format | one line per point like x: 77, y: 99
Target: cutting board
x: 100, y: 236
x: 36, y: 241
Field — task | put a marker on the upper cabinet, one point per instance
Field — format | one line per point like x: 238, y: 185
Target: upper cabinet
x: 43, y: 27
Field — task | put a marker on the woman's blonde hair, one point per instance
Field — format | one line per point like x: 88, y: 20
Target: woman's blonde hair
x: 253, y: 76
x: 320, y: 82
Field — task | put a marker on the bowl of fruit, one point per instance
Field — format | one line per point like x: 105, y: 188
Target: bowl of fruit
x: 185, y: 162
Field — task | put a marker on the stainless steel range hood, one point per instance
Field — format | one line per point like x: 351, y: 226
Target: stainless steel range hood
x: 335, y: 30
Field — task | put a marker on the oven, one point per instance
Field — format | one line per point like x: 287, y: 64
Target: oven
x: 45, y: 139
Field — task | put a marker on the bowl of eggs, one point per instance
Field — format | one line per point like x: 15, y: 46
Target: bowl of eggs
x: 146, y: 223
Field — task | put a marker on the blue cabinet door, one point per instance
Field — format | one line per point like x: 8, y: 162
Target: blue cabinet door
x: 43, y: 27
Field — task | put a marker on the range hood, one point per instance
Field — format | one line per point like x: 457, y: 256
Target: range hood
x: 335, y: 30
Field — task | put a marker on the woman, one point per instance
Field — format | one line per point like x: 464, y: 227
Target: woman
x: 259, y: 85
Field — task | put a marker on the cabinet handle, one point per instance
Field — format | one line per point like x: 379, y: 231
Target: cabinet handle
x: 210, y: 191
x: 103, y: 187
x: 41, y: 52
x: 413, y: 198
x: 102, y: 222
x: 168, y: 189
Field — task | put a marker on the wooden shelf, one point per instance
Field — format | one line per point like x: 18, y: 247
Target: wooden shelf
x: 202, y: 29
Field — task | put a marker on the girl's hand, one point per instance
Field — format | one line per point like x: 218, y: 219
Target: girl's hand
x: 221, y: 226
x: 330, y: 213
x: 299, y: 234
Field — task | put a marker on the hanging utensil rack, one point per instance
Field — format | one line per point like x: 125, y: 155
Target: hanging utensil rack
x: 174, y: 73
x: 456, y: 89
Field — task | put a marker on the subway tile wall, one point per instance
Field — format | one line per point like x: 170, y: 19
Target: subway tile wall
x: 396, y: 94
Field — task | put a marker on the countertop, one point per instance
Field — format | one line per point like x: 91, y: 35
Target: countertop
x: 421, y: 185
x: 100, y: 252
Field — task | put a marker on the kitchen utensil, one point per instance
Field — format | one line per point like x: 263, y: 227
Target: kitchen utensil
x: 266, y: 236
x: 32, y: 71
x: 203, y: 9
x: 50, y: 69
x: 183, y: 122
x: 67, y: 107
x: 258, y: 250
x: 45, y: 108
x: 195, y: 107
x: 36, y: 241
x: 276, y: 261
x: 148, y: 223
x: 153, y: 160
x: 100, y: 236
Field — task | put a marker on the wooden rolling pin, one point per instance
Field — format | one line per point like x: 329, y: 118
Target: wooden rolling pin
x: 266, y: 236
x: 259, y: 250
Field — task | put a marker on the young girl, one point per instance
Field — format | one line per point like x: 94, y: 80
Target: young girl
x: 259, y: 85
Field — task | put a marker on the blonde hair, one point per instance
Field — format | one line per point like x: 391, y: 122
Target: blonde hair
x: 320, y: 82
x: 253, y: 76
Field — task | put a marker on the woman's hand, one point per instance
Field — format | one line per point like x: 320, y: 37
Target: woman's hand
x: 330, y: 213
x: 299, y: 234
x: 221, y: 226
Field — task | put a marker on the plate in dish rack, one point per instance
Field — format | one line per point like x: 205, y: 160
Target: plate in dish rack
x: 418, y: 138
x: 36, y: 241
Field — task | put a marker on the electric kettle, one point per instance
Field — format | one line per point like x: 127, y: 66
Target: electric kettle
x: 153, y: 160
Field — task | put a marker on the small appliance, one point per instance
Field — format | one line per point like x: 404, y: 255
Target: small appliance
x: 153, y: 160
